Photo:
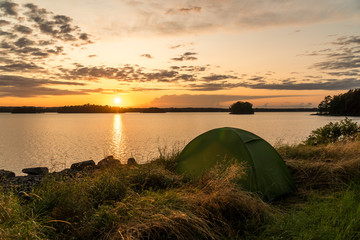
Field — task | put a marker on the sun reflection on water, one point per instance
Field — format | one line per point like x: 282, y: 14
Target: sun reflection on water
x: 117, y: 147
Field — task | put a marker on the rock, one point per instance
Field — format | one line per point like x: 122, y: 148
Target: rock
x: 83, y: 165
x: 108, y: 161
x: 66, y: 171
x: 4, y: 174
x: 36, y: 171
x: 131, y: 161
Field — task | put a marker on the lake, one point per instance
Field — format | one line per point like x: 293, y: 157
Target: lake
x: 57, y: 140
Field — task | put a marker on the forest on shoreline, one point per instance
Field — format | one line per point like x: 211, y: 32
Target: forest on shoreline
x: 92, y: 108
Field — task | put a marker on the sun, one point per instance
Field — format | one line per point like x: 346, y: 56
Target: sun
x: 117, y: 100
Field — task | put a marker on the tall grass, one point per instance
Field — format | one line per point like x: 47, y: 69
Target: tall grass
x: 17, y: 221
x: 330, y: 166
x: 333, y: 216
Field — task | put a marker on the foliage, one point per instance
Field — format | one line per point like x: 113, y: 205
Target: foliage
x: 345, y: 130
x: 241, y: 108
x: 347, y: 104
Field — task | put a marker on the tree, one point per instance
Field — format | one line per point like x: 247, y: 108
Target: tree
x: 241, y: 108
x: 324, y: 105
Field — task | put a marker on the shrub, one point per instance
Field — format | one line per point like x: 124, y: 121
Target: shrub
x: 345, y: 130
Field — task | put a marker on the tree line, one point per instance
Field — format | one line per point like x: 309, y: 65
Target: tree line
x: 346, y: 104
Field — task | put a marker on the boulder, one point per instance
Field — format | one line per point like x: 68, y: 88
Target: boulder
x: 108, y: 161
x: 83, y: 165
x: 4, y: 174
x: 36, y: 171
x: 131, y: 161
x: 66, y: 171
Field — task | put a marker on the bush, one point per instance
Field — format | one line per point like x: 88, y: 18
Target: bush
x: 345, y: 130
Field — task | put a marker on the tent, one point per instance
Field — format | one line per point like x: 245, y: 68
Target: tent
x: 266, y: 172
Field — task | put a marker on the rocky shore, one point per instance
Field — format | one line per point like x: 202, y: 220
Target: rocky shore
x: 24, y: 184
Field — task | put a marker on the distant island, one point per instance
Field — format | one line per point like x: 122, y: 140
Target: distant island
x: 26, y: 110
x: 241, y: 108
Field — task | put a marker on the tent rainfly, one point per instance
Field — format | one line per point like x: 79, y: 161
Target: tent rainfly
x: 266, y: 172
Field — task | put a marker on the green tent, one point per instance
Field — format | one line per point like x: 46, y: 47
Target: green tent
x: 266, y: 171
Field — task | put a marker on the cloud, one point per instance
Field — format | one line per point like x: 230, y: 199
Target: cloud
x: 4, y: 22
x: 23, y: 29
x: 187, y: 56
x: 204, y: 100
x: 18, y: 86
x: 148, y: 17
x: 38, y: 24
x: 20, y: 67
x: 161, y: 76
x: 257, y: 78
x: 330, y: 84
x: 345, y: 57
x: 7, y: 34
x: 216, y: 77
x: 37, y: 91
x: 176, y: 46
x: 184, y: 10
x: 213, y: 86
x: 19, y: 81
x: 181, y: 45
x: 347, y: 73
x: 146, y: 55
x: 141, y: 89
x: 57, y: 26
x: 347, y: 40
x: 9, y: 8
x: 30, y: 34
x: 128, y: 73
x: 23, y: 42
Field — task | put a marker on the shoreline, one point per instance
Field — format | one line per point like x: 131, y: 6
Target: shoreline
x: 9, y: 179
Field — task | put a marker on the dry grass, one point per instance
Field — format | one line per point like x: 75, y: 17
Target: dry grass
x: 210, y: 208
x: 323, y: 167
x: 334, y: 152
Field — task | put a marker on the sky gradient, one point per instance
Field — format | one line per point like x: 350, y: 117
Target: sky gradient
x: 160, y: 53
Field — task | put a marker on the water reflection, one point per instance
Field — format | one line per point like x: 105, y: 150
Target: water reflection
x: 117, y: 146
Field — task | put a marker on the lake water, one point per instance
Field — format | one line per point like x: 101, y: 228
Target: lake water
x: 57, y: 140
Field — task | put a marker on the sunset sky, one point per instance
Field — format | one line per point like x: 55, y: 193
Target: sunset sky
x: 167, y: 53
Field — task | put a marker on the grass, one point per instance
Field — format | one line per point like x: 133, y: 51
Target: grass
x: 330, y: 216
x: 151, y: 201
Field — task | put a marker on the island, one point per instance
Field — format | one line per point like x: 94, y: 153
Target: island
x: 241, y: 108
